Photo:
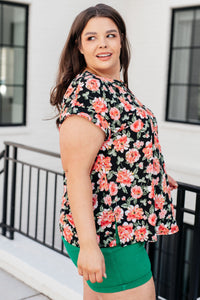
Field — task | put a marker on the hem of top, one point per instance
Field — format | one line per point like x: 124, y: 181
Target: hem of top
x: 121, y: 245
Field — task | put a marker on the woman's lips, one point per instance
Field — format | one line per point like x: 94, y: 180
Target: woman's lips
x: 104, y: 56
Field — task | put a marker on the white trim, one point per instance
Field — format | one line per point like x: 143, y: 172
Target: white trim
x: 184, y: 169
x: 14, y: 130
x: 179, y: 126
x: 181, y: 4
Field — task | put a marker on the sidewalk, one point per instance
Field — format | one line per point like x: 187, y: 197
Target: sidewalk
x: 14, y: 289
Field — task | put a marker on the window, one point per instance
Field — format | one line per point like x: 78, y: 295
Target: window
x: 13, y: 61
x: 183, y: 96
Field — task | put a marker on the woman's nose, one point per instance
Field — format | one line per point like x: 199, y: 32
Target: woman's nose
x: 103, y: 43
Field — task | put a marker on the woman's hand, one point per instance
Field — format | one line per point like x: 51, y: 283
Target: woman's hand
x: 91, y: 264
x: 172, y: 183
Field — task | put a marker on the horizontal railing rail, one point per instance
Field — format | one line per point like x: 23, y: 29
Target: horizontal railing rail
x: 33, y: 149
x: 32, y: 195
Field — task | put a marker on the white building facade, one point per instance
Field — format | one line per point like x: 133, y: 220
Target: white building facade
x: 158, y: 74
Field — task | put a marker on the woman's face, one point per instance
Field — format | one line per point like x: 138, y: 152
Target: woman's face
x: 101, y: 46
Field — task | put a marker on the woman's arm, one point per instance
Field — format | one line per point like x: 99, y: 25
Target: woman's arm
x: 80, y: 141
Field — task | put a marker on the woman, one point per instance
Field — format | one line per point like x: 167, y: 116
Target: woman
x: 116, y: 190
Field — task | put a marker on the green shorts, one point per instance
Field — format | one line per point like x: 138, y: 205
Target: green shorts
x: 126, y: 267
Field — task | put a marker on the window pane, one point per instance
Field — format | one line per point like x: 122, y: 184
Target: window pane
x: 184, y: 77
x: 197, y: 29
x: 195, y: 72
x: 178, y: 103
x: 180, y: 66
x: 13, y: 47
x: 183, y: 28
x: 11, y: 105
x: 13, y: 25
x: 12, y: 65
x: 194, y: 105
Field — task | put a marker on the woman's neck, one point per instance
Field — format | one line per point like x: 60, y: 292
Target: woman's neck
x: 104, y: 74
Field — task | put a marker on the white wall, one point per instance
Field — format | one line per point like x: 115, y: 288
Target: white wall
x: 148, y: 24
x: 149, y: 30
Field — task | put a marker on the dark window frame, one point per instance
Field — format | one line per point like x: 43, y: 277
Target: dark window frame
x: 25, y: 47
x: 189, y: 84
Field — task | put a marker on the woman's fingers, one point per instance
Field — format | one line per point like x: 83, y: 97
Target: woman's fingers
x: 80, y: 271
x: 86, y: 276
x: 92, y: 277
x: 104, y: 269
x: 172, y: 183
x: 99, y: 276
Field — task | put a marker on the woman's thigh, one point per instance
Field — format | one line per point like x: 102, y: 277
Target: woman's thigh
x: 143, y: 292
x: 88, y: 293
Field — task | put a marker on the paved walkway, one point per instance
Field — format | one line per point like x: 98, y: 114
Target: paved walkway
x: 14, y: 289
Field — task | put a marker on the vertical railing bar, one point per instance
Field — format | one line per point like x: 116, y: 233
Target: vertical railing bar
x: 62, y: 246
x: 45, y: 208
x: 5, y: 190
x: 173, y: 267
x: 54, y: 210
x: 13, y: 191
x: 21, y: 198
x: 195, y: 263
x: 151, y: 250
x: 180, y: 250
x: 158, y: 266
x: 29, y: 200
x: 37, y: 202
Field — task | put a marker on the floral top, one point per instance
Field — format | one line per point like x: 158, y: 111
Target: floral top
x: 129, y: 180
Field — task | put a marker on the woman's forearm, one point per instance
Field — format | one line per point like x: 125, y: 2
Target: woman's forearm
x: 79, y: 191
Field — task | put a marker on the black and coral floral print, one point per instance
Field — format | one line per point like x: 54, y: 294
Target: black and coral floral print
x: 129, y: 180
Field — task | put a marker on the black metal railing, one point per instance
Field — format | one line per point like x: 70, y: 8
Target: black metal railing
x: 32, y: 194
x: 176, y: 259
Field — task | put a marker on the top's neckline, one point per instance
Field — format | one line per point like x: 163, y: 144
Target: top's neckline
x: 104, y: 78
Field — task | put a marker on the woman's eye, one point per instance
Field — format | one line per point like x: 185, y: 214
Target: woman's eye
x: 91, y: 38
x: 111, y: 35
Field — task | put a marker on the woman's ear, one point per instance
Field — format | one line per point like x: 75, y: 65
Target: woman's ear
x: 78, y: 44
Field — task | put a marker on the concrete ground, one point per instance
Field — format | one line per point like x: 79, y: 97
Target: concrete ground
x: 14, y: 289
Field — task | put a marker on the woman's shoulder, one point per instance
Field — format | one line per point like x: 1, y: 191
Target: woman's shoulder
x: 84, y: 87
x: 87, y: 81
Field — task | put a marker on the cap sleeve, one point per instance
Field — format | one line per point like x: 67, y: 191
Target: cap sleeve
x: 85, y: 98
